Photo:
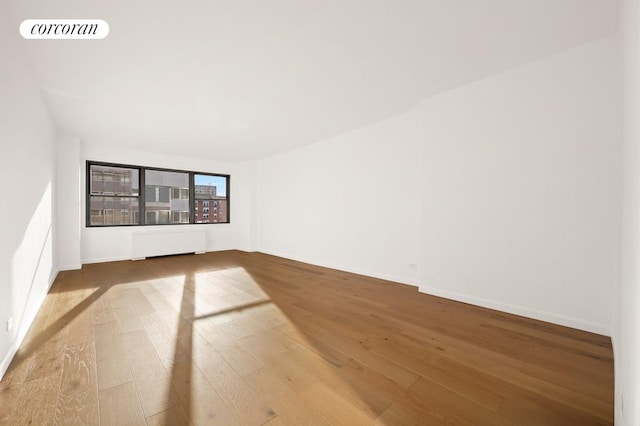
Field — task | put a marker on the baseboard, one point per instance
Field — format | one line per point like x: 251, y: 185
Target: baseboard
x: 105, y: 259
x: 24, y: 328
x: 618, y: 414
x: 387, y: 277
x: 213, y: 250
x: 73, y: 267
x: 520, y: 310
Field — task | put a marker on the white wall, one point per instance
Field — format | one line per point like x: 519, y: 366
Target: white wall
x: 626, y: 334
x: 114, y: 243
x: 68, y: 205
x: 522, y: 189
x: 350, y: 202
x: 505, y: 193
x: 27, y: 219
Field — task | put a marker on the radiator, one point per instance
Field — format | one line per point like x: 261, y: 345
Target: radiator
x: 163, y: 243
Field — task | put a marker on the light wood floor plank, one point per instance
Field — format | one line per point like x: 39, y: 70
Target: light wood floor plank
x: 174, y: 416
x: 113, y: 371
x: 120, y: 405
x: 78, y: 395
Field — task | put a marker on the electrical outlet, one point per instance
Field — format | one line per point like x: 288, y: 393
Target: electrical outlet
x: 413, y: 266
x: 9, y: 323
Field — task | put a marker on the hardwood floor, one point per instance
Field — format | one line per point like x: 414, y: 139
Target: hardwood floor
x: 245, y: 338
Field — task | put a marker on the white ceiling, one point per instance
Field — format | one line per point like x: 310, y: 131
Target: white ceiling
x: 241, y: 79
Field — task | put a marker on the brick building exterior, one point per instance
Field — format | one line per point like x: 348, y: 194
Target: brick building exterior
x: 209, y: 207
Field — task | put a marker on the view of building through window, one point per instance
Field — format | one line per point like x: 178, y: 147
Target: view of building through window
x: 166, y: 197
x: 114, y: 196
x: 211, y: 202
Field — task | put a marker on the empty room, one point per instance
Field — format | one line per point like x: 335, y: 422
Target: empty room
x: 321, y: 213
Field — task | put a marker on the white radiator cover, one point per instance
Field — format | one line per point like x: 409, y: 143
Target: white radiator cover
x: 163, y: 243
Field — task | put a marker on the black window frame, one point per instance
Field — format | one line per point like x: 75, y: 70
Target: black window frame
x: 141, y: 194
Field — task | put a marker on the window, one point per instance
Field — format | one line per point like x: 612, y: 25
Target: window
x: 213, y: 190
x: 179, y: 217
x: 179, y: 193
x: 113, y: 195
x: 151, y: 218
x: 119, y: 195
x: 163, y: 193
x: 163, y: 217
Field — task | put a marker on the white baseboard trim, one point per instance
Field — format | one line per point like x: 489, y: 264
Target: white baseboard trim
x: 73, y: 267
x: 214, y: 250
x: 246, y: 251
x: 105, y: 259
x: 618, y: 414
x: 520, y: 310
x: 387, y: 277
x: 24, y: 328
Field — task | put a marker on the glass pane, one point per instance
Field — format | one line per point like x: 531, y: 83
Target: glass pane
x: 150, y: 195
x: 163, y: 194
x: 151, y: 218
x: 163, y: 217
x: 163, y: 197
x: 107, y: 180
x: 211, y: 190
x: 114, y: 211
